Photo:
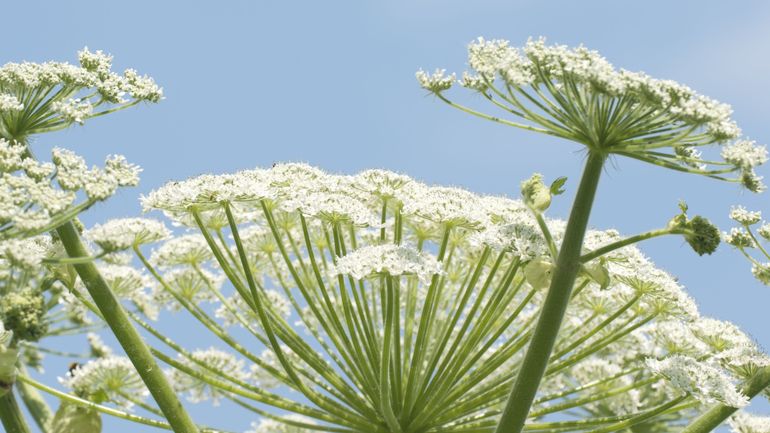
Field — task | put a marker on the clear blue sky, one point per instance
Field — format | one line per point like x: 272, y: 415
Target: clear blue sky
x: 332, y: 83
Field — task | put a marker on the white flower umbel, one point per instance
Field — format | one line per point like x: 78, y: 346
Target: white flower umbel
x: 204, y: 360
x: 39, y: 196
x: 124, y: 233
x: 9, y: 103
x: 57, y: 94
x: 742, y: 216
x: 190, y: 249
x: 754, y: 248
x: 448, y: 281
x: 108, y: 378
x: 393, y: 260
x: 706, y: 382
x: 576, y: 94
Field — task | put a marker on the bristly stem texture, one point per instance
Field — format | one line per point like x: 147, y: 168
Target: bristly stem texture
x: 567, y: 265
x: 715, y: 416
x: 127, y: 336
x: 10, y: 414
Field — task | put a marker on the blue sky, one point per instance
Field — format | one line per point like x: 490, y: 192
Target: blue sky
x: 249, y: 83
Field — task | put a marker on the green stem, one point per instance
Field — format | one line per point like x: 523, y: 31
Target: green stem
x: 585, y: 258
x: 36, y: 406
x: 718, y: 413
x: 10, y: 414
x: 127, y: 336
x: 536, y: 359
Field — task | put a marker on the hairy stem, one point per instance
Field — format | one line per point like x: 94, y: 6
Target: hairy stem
x: 568, y: 263
x: 718, y: 413
x: 127, y: 336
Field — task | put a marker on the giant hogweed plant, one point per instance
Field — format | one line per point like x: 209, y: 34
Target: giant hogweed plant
x: 376, y: 303
x: 42, y: 259
x: 389, y: 305
x: 577, y: 95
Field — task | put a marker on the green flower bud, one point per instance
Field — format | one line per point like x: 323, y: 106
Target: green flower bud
x: 71, y: 418
x: 536, y: 195
x: 538, y: 272
x: 704, y: 238
x: 23, y: 313
x: 700, y: 233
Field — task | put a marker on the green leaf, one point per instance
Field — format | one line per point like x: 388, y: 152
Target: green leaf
x: 557, y: 186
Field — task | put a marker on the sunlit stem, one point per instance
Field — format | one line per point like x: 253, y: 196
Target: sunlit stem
x: 585, y: 258
x: 555, y: 306
x: 136, y: 349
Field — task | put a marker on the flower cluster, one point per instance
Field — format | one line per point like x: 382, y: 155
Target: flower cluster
x: 707, y: 383
x: 423, y: 292
x: 751, y: 238
x: 389, y: 259
x: 111, y: 378
x: 42, y: 97
x: 39, y: 196
x: 576, y: 94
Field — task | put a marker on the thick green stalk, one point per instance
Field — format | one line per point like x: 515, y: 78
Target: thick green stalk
x: 567, y: 265
x: 718, y: 413
x: 127, y: 336
x: 10, y: 414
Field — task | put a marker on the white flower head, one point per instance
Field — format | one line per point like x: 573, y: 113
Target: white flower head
x: 745, y: 154
x: 742, y: 216
x: 436, y: 82
x: 209, y: 191
x: 107, y: 377
x: 445, y: 205
x: 389, y: 259
x: 125, y: 173
x: 124, y: 233
x: 73, y: 110
x: 706, y: 382
x: 186, y: 249
x: 738, y: 237
x: 199, y: 390
x: 27, y: 254
x: 9, y: 103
